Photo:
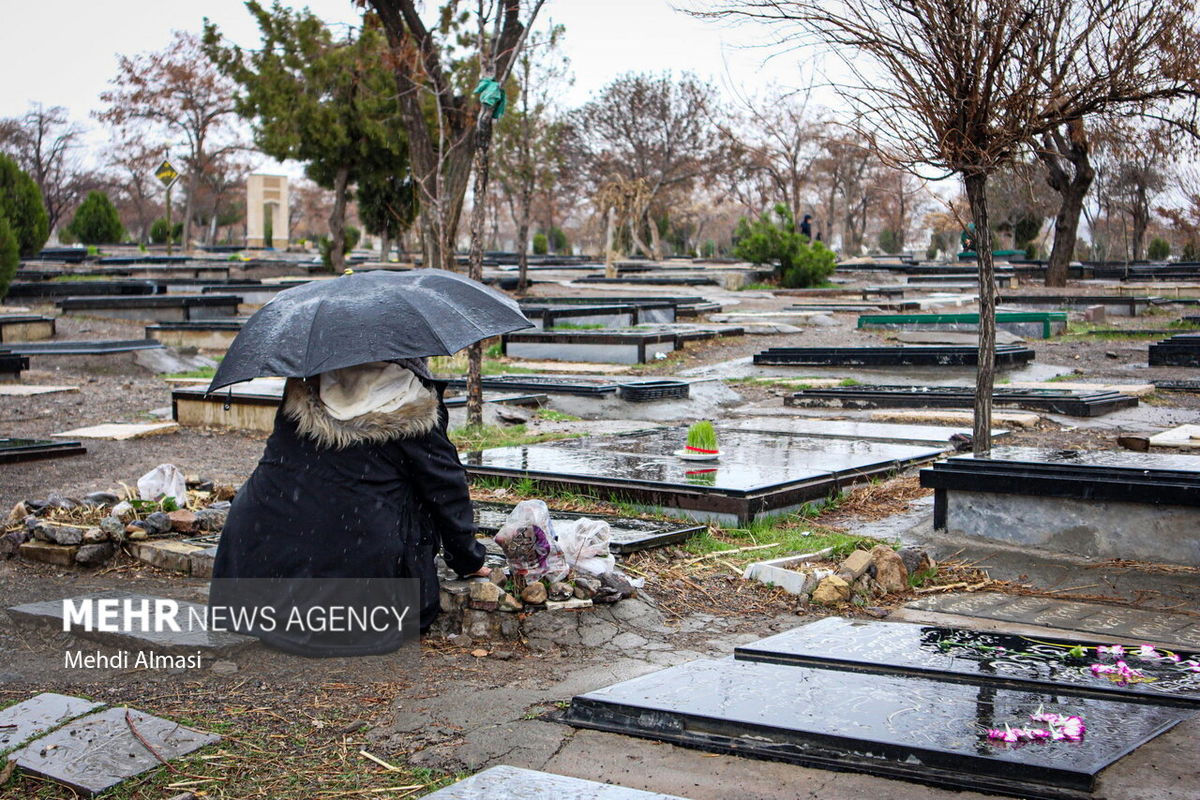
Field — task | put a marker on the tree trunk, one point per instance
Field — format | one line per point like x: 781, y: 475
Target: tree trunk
x: 385, y: 245
x: 610, y: 269
x: 483, y: 153
x: 634, y: 222
x: 985, y: 376
x: 1066, y: 227
x: 337, y: 221
x: 193, y: 183
x: 526, y: 202
x: 655, y: 239
x: 1072, y: 190
x: 1140, y: 216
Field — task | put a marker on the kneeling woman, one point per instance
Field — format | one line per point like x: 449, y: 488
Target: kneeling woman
x: 359, y: 480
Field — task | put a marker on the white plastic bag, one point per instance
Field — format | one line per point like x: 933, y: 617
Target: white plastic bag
x: 162, y: 482
x: 527, y: 538
x: 584, y: 543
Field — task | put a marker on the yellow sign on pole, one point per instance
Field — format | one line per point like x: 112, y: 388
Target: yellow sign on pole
x: 166, y: 173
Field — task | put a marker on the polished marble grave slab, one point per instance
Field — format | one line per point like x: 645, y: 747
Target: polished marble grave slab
x: 1004, y: 659
x: 910, y: 727
x: 757, y: 473
x: 1101, y: 620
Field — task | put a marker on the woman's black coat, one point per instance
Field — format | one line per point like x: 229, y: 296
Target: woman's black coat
x: 370, y: 498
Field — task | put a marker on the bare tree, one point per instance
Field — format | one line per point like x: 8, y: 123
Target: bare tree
x: 130, y: 169
x: 1143, y: 155
x: 178, y: 93
x: 651, y: 130
x: 902, y: 200
x: 44, y: 142
x: 961, y: 85
x: 528, y: 138
x: 773, y: 143
x: 497, y: 53
x: 435, y: 67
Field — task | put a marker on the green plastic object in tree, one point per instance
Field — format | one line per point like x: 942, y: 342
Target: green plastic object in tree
x: 491, y: 94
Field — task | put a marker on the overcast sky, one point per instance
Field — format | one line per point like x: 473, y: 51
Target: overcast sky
x: 63, y: 52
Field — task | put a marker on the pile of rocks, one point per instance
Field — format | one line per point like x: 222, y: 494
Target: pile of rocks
x: 482, y: 608
x: 88, y: 531
x: 862, y: 575
x: 875, y: 573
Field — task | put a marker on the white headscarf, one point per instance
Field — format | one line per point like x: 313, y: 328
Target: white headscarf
x: 378, y: 387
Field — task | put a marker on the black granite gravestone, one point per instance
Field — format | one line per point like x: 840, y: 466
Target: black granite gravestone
x: 1181, y: 350
x: 1020, y: 662
x: 1007, y: 355
x: 756, y: 474
x: 14, y: 451
x: 915, y: 728
x: 1056, y: 401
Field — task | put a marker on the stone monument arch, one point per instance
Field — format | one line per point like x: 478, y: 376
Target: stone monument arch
x: 267, y: 202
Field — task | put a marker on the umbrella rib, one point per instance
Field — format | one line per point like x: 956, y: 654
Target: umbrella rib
x: 312, y: 323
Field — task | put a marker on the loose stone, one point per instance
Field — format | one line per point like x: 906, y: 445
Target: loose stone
x: 535, y: 593
x: 915, y: 559
x: 831, y: 591
x: 854, y: 566
x: 890, y: 572
x: 157, y: 523
x: 56, y: 534
x: 102, y: 499
x: 94, y: 536
x: 586, y: 588
x: 90, y: 555
x: 183, y: 521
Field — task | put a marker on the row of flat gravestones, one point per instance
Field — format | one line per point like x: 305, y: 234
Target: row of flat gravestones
x: 87, y: 747
x: 912, y: 702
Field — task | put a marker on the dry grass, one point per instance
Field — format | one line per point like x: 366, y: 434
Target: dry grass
x: 874, y: 501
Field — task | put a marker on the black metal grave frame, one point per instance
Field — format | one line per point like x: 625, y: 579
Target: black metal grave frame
x: 902, y: 356
x: 1071, y: 403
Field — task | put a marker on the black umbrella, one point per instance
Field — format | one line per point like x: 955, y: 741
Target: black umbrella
x: 366, y: 316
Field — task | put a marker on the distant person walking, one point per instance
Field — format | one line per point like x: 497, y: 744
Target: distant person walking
x: 806, y: 226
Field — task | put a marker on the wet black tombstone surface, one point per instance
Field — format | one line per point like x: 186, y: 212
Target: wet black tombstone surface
x: 1058, y: 401
x: 900, y: 356
x: 982, y: 657
x: 1101, y: 475
x: 83, y: 347
x: 1182, y: 350
x: 901, y: 726
x: 757, y: 473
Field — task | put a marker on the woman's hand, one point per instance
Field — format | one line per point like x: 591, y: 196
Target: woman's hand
x: 482, y: 572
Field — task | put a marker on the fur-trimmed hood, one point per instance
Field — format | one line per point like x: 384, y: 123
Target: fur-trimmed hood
x: 416, y: 416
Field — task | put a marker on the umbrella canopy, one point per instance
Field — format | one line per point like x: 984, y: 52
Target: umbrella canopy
x: 368, y: 316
